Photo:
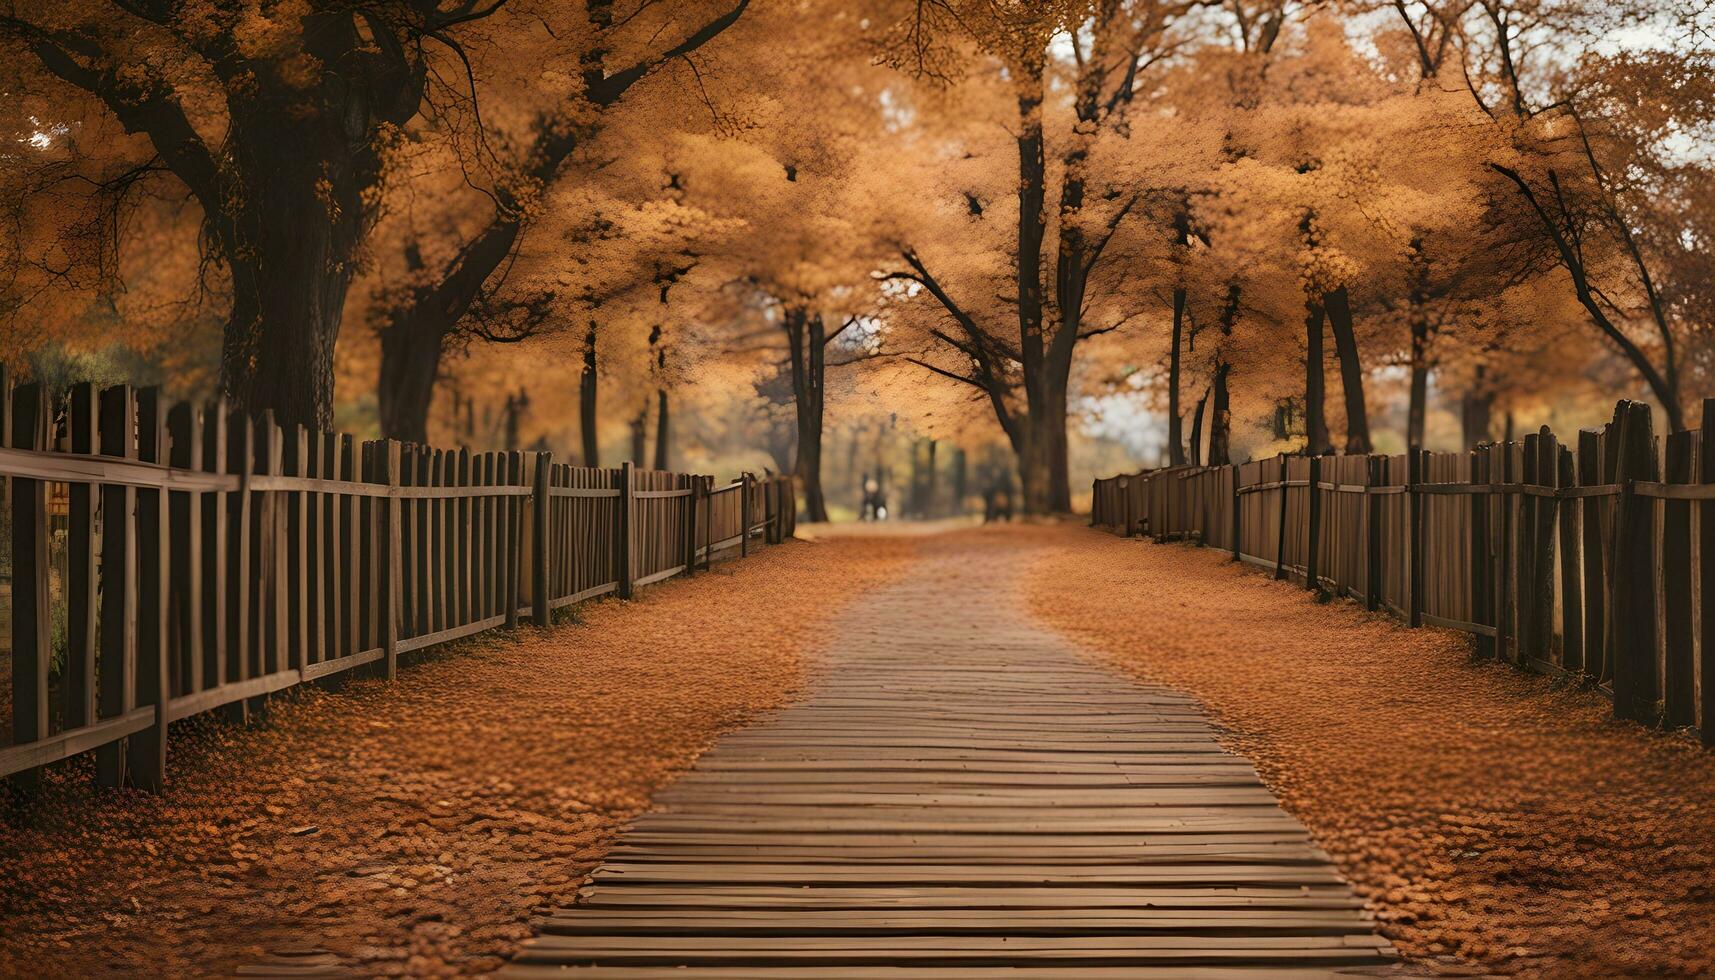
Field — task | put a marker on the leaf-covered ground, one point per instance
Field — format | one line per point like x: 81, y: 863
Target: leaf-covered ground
x: 1487, y: 814
x: 414, y: 827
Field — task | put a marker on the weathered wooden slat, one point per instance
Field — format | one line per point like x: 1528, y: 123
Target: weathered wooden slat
x: 118, y: 660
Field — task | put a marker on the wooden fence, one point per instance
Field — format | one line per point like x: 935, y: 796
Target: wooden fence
x: 211, y: 559
x: 1594, y: 559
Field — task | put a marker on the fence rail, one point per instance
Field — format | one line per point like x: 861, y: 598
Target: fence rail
x: 1594, y: 560
x: 211, y: 559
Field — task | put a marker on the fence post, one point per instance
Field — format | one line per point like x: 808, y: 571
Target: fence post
x: 1571, y: 598
x: 1679, y: 677
x: 623, y: 543
x: 692, y: 501
x: 392, y: 538
x: 1481, y: 566
x: 744, y: 516
x: 115, y: 689
x: 1280, y: 544
x: 1634, y: 609
x: 32, y: 627
x: 1414, y: 459
x: 81, y: 564
x: 1706, y: 570
x: 1237, y: 519
x: 1373, y: 477
x: 770, y: 510
x: 540, y: 509
x: 148, y: 748
x: 1312, y: 550
x: 1542, y: 576
x: 514, y: 477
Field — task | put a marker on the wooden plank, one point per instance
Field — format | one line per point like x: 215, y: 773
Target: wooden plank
x: 184, y: 428
x: 389, y: 550
x: 146, y: 751
x: 1636, y: 687
x: 215, y: 548
x: 1595, y: 591
x: 294, y: 461
x: 541, y: 565
x: 82, y: 584
x: 625, y: 532
x: 1571, y: 580
x: 32, y: 623
x: 118, y: 665
x: 1679, y: 665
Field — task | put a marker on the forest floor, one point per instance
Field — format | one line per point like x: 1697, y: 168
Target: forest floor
x: 1489, y: 817
x: 1497, y: 817
x: 415, y: 827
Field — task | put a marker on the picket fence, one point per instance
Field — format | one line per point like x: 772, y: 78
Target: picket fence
x: 212, y: 559
x: 1594, y: 560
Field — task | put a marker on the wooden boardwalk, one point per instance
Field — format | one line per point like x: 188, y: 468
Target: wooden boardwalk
x: 963, y: 795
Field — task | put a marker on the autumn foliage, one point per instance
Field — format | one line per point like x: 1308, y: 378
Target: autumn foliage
x: 1201, y: 230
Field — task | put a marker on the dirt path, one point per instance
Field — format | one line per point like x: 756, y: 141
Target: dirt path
x: 414, y: 827
x: 962, y: 792
x: 1485, y: 814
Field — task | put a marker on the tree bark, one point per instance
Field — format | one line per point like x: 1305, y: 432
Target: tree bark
x: 1197, y: 431
x: 587, y: 402
x: 806, y: 342
x: 1339, y: 307
x: 1317, y: 442
x: 1220, y: 419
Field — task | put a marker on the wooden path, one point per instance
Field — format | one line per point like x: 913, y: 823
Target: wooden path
x: 963, y: 795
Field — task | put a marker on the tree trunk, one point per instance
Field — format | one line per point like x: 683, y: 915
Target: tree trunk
x: 1476, y: 412
x: 1220, y: 420
x: 1175, y: 419
x: 929, y: 484
x: 1317, y: 442
x: 1339, y: 307
x: 663, y: 441
x: 587, y: 402
x: 806, y: 342
x: 640, y: 437
x: 288, y: 299
x: 406, y: 387
x: 1197, y: 431
x: 960, y: 481
x: 1417, y: 406
x: 1417, y: 403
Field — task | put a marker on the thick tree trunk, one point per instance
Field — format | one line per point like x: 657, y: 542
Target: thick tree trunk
x: 806, y: 342
x: 587, y: 402
x: 1220, y: 419
x: 1476, y: 413
x: 1316, y: 439
x: 1339, y: 307
x: 1417, y: 404
x: 406, y: 389
x: 288, y: 298
x: 663, y: 433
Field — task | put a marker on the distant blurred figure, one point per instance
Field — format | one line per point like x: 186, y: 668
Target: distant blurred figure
x: 997, y: 505
x: 874, y: 507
